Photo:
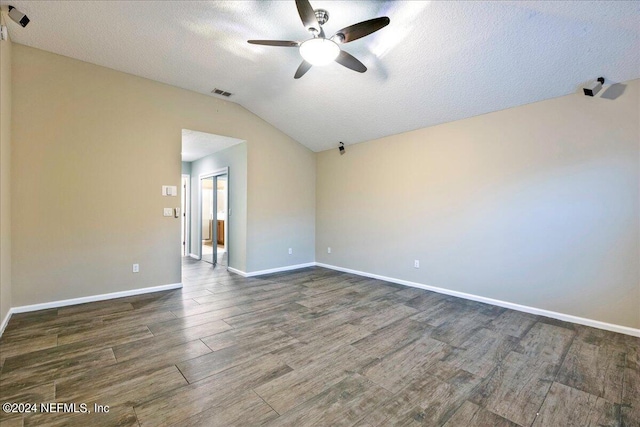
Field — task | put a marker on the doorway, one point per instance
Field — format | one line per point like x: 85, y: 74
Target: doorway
x: 213, y: 213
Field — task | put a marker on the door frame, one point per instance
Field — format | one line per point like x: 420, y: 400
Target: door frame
x: 186, y: 214
x: 217, y: 172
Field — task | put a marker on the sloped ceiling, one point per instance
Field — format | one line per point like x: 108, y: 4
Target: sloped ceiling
x: 436, y: 62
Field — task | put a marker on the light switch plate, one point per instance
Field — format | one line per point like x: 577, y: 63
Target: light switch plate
x: 168, y: 211
x: 169, y: 190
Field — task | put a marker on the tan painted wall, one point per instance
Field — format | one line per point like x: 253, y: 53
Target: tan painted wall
x: 536, y: 205
x: 5, y: 177
x: 281, y: 204
x: 92, y: 147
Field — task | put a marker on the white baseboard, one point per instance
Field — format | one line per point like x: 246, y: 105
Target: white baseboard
x: 518, y: 307
x: 92, y: 298
x: 236, y: 271
x: 513, y: 306
x: 271, y: 270
x: 194, y: 256
x: 5, y: 322
x: 82, y: 300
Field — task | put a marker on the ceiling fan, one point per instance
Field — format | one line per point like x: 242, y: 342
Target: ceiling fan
x: 320, y: 50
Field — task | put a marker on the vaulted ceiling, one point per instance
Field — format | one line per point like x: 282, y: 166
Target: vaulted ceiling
x: 436, y: 62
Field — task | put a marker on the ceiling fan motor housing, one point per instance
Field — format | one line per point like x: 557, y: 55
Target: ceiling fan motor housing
x: 322, y: 16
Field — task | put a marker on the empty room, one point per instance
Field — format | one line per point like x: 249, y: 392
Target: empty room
x: 320, y: 213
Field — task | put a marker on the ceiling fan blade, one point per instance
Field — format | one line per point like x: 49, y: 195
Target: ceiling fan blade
x: 283, y: 43
x: 351, y: 62
x: 361, y: 29
x: 307, y: 15
x: 302, y: 69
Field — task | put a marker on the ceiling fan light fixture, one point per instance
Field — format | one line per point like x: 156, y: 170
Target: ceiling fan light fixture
x: 319, y: 51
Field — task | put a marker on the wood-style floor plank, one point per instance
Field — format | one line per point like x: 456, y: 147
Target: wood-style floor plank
x: 394, y: 371
x: 472, y: 415
x: 598, y: 370
x: 514, y: 323
x: 314, y: 347
x: 15, y: 421
x: 306, y: 381
x: 547, y: 342
x: 482, y: 352
x: 426, y: 399
x: 108, y: 379
x: 158, y: 344
x: 18, y: 347
x: 218, y: 361
x: 516, y: 388
x: 244, y: 408
x: 17, y: 379
x: 393, y: 337
x: 179, y: 404
x: 630, y: 412
x: 566, y: 406
x: 343, y: 404
x: 39, y: 393
x: 118, y: 416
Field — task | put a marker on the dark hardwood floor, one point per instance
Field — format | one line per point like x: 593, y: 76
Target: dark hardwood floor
x: 313, y: 347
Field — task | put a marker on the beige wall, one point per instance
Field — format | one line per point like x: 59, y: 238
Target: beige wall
x: 535, y: 205
x: 76, y: 124
x: 5, y: 177
x: 281, y: 204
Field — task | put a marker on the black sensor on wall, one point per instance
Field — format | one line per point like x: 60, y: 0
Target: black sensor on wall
x: 18, y: 17
x: 341, y: 148
x: 594, y: 87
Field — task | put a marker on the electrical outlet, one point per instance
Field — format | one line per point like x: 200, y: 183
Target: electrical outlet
x: 290, y: 251
x: 416, y: 263
x: 136, y: 268
x: 329, y: 250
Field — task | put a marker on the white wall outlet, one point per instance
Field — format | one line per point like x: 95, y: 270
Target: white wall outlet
x: 168, y: 211
x: 290, y: 251
x: 329, y: 250
x: 416, y: 263
x: 136, y: 268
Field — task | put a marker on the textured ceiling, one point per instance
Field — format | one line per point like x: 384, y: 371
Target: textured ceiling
x: 436, y: 62
x: 196, y: 145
